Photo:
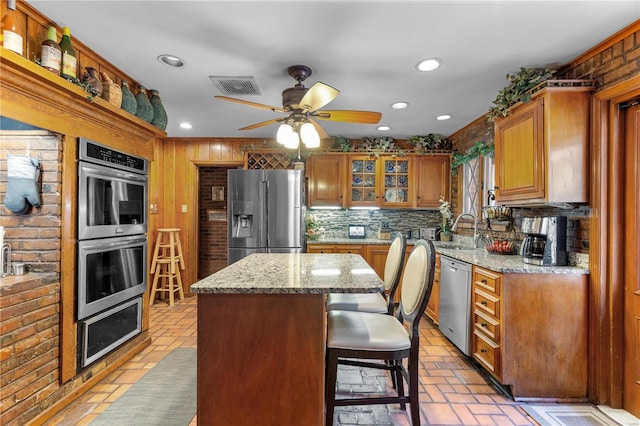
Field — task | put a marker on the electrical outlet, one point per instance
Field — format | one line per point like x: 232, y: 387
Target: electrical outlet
x: 184, y: 208
x: 153, y: 208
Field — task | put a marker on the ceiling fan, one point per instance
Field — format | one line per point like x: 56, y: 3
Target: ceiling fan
x: 303, y: 105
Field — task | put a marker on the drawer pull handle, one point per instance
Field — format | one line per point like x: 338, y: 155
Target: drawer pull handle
x: 483, y: 303
x: 483, y: 281
x: 484, y: 324
x: 484, y: 351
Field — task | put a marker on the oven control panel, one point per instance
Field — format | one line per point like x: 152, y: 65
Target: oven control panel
x: 101, y: 154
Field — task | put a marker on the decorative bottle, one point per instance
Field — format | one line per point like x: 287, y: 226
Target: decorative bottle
x: 159, y: 113
x: 129, y: 102
x: 69, y: 67
x: 50, y: 52
x: 144, y: 109
x: 11, y: 31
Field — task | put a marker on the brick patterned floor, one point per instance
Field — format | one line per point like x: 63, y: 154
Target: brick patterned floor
x: 452, y: 391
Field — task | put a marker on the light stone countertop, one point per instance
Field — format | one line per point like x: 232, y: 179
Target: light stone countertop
x: 480, y: 257
x: 293, y: 273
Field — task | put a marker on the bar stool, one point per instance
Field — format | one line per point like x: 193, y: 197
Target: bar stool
x: 166, y: 264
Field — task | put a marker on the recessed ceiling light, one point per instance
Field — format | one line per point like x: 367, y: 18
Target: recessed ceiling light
x: 399, y: 105
x: 171, y: 60
x: 185, y: 125
x: 384, y: 128
x: 443, y: 117
x: 428, y: 64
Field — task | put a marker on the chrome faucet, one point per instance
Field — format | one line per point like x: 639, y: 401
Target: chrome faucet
x: 476, y: 235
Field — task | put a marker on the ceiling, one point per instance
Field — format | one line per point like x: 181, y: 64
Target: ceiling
x: 366, y: 49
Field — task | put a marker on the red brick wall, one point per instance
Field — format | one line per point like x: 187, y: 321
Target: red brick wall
x: 212, y: 253
x: 35, y: 236
x: 29, y: 340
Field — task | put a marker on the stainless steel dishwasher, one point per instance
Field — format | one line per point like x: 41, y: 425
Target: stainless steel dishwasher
x: 455, y: 302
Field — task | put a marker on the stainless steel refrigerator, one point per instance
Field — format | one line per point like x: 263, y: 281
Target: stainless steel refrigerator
x: 265, y: 212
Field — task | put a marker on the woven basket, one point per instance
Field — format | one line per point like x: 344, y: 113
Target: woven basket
x: 111, y: 92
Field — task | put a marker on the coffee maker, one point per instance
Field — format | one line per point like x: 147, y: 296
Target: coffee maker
x: 545, y: 243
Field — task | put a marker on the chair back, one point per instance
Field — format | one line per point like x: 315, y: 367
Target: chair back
x: 394, y: 262
x: 417, y: 283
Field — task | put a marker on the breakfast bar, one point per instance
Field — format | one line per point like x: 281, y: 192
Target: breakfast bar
x: 261, y: 336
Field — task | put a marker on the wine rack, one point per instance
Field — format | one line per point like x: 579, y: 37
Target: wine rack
x: 266, y: 160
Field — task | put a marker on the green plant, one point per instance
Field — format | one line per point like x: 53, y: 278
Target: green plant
x: 376, y: 144
x: 429, y: 142
x: 479, y: 148
x: 344, y: 144
x: 517, y: 90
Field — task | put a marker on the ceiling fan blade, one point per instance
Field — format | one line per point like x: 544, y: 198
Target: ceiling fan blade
x: 319, y: 129
x: 262, y: 124
x: 253, y: 104
x: 364, y: 117
x: 317, y: 96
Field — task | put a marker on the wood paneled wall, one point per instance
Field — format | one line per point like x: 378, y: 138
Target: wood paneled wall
x: 174, y: 186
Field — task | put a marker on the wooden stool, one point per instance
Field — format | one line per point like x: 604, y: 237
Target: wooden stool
x: 166, y: 264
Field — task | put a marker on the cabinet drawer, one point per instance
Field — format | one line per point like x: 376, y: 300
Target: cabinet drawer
x: 487, y: 325
x: 487, y: 280
x: 487, y: 353
x: 486, y: 303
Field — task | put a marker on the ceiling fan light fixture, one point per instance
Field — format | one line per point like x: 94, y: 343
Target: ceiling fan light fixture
x: 283, y: 133
x: 428, y: 64
x: 309, y: 135
x: 292, y: 140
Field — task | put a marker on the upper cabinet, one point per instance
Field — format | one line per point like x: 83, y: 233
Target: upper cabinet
x: 379, y: 182
x: 326, y: 175
x: 541, y: 149
x: 432, y: 176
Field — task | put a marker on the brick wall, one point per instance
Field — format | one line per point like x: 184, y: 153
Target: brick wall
x: 34, y: 237
x: 29, y: 340
x: 212, y: 234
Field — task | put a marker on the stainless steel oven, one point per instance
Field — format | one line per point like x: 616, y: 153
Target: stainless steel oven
x: 112, y: 192
x: 111, y: 249
x: 110, y: 271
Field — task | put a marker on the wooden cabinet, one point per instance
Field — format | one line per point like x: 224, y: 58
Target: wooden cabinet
x: 379, y: 182
x: 542, y: 149
x: 336, y: 248
x: 530, y: 332
x: 326, y: 175
x: 485, y: 302
x: 432, y: 179
x: 433, y: 306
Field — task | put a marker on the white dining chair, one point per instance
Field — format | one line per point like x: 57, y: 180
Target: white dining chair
x: 382, y: 302
x: 361, y: 338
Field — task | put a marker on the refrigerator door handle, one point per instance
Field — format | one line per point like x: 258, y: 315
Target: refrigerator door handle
x: 265, y: 217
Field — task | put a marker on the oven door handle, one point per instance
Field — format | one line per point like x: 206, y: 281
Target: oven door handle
x: 102, y: 243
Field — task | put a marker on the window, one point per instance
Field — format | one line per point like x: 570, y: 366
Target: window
x: 477, y: 178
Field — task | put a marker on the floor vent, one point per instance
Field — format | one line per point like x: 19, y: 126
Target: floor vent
x: 236, y: 85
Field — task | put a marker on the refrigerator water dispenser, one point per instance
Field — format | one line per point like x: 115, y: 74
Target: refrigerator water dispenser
x: 242, y: 219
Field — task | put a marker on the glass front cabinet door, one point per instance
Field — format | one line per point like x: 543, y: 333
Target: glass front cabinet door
x: 379, y: 182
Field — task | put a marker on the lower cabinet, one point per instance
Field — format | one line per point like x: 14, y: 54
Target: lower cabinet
x: 336, y: 248
x: 433, y: 306
x: 530, y: 332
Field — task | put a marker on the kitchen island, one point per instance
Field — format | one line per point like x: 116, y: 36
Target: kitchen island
x: 261, y: 336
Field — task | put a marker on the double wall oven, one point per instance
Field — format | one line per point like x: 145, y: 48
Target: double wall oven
x: 112, y: 248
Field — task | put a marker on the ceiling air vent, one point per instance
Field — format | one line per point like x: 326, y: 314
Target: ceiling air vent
x: 236, y: 85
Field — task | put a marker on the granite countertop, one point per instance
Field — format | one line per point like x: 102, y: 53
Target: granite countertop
x: 480, y: 257
x: 293, y: 273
